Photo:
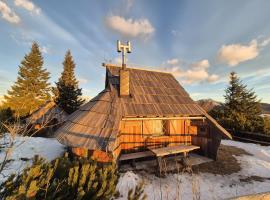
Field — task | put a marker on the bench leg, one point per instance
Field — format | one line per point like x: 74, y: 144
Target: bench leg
x: 160, y: 165
x: 186, y: 163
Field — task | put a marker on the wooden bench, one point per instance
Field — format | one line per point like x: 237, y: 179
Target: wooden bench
x: 173, y: 150
x: 164, y: 151
x: 131, y: 156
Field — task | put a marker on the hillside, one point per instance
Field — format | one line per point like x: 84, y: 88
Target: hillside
x: 209, y: 104
x: 266, y: 108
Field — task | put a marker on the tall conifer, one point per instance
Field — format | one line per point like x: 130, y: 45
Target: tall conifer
x: 31, y: 88
x: 68, y: 91
x: 241, y: 108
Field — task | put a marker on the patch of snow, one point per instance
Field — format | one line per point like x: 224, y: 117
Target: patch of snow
x: 128, y: 181
x: 259, y: 151
x: 209, y: 186
x: 174, y: 186
x: 27, y: 148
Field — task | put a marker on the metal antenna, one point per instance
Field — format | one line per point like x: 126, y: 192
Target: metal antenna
x: 124, y: 49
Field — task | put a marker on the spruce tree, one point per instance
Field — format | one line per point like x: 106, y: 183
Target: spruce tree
x: 241, y: 108
x: 31, y: 88
x: 68, y: 91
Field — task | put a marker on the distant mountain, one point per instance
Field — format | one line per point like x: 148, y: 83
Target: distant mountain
x: 209, y: 104
x: 265, y: 108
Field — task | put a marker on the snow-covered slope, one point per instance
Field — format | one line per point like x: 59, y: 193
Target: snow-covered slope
x: 174, y: 186
x: 207, y: 186
x: 26, y: 148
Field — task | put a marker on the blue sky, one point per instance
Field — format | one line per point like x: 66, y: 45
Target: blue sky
x: 200, y: 42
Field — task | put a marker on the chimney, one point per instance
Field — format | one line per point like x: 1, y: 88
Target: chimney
x: 124, y: 82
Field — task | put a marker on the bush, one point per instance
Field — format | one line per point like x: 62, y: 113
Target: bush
x: 62, y: 179
x: 266, y: 129
x: 6, y: 116
x: 137, y: 193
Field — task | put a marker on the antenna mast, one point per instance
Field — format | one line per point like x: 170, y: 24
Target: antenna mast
x: 124, y: 49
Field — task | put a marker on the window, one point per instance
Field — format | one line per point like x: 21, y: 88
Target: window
x: 160, y: 127
x: 155, y: 127
x: 165, y: 127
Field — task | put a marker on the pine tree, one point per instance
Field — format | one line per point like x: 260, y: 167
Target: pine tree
x: 31, y: 89
x: 241, y: 108
x: 63, y: 178
x: 68, y: 91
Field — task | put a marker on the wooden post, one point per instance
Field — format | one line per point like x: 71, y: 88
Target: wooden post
x: 159, y: 162
x: 185, y: 154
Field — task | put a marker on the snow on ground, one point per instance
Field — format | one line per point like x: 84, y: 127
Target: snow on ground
x: 27, y: 148
x: 173, y: 186
x: 207, y: 186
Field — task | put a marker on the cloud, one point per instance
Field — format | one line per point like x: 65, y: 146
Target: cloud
x: 21, y: 38
x: 173, y: 61
x: 24, y: 39
x: 86, y: 98
x: 194, y: 75
x: 82, y: 80
x: 45, y: 49
x: 28, y: 5
x: 213, y: 78
x: 201, y: 64
x: 8, y: 14
x: 265, y: 42
x: 130, y: 27
x: 196, y: 72
x: 196, y: 94
x: 234, y: 54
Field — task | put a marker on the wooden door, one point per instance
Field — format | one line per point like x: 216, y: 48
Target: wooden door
x: 131, y: 135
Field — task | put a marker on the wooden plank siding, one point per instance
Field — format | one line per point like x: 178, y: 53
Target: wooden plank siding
x: 140, y: 135
x: 136, y: 136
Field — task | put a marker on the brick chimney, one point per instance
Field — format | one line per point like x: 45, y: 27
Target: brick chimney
x: 124, y: 82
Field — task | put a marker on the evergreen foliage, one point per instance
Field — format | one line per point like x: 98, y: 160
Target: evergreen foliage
x: 62, y: 179
x: 266, y: 127
x: 137, y: 193
x: 6, y: 116
x: 241, y: 109
x: 68, y: 93
x: 31, y: 88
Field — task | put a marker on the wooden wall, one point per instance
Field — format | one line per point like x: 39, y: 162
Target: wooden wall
x: 138, y: 135
x: 208, y: 138
x: 97, y: 155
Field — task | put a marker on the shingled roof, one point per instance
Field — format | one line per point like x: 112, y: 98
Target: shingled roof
x: 46, y: 113
x: 152, y: 94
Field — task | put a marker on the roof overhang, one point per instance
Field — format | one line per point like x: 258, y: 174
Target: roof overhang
x: 220, y: 128
x: 161, y: 118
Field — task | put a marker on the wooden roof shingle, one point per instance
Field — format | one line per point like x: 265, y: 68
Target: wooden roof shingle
x: 95, y: 125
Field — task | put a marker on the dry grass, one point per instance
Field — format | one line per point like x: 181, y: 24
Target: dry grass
x: 226, y: 163
x: 253, y: 178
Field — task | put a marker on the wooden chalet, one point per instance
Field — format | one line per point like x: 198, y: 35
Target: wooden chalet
x: 48, y: 117
x: 140, y: 113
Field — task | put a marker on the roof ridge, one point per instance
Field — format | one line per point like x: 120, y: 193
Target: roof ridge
x: 132, y: 67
